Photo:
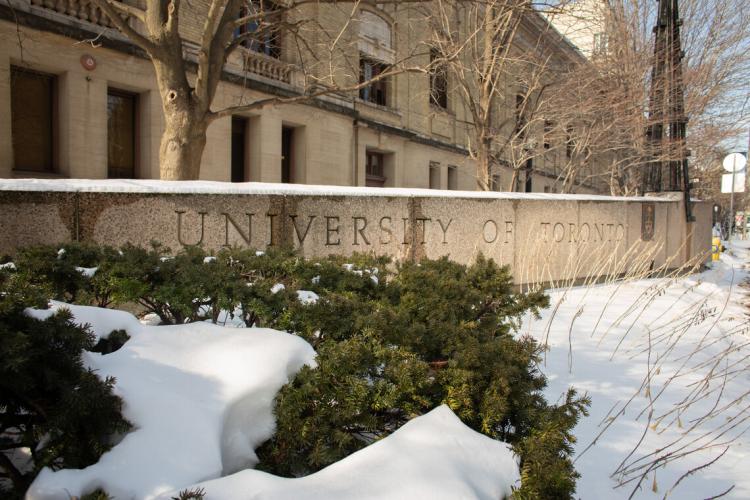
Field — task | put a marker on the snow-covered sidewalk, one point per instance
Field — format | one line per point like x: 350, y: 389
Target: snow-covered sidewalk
x: 666, y: 362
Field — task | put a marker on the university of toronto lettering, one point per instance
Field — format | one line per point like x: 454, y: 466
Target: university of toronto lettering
x: 356, y: 230
x: 359, y: 231
x: 585, y: 232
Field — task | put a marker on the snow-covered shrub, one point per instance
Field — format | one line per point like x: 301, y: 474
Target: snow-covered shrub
x: 71, y: 272
x: 393, y: 342
x: 55, y: 268
x: 438, y: 332
x: 53, y: 412
x: 188, y: 286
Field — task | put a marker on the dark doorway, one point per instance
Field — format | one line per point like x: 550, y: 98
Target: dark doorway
x: 239, y: 133
x: 529, y: 168
x: 287, y: 153
x: 122, y: 144
x: 33, y: 119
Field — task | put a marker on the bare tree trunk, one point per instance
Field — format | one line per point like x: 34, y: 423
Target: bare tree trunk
x: 513, y: 186
x: 483, y: 165
x: 181, y: 148
x: 185, y: 120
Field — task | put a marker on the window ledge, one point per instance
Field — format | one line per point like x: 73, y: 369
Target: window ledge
x: 441, y: 110
x: 386, y: 109
x: 375, y: 180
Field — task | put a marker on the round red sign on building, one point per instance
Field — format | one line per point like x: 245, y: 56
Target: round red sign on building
x: 88, y: 62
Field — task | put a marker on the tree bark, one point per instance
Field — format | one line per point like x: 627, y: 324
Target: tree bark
x: 484, y: 158
x: 513, y: 186
x: 483, y: 168
x: 181, y: 150
x: 185, y: 119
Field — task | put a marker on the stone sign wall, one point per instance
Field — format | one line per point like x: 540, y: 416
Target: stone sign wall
x: 542, y: 238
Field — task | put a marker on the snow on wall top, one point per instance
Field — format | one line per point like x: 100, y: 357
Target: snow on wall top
x: 150, y: 186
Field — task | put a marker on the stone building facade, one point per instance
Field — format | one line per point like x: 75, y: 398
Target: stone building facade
x: 78, y: 100
x: 584, y: 23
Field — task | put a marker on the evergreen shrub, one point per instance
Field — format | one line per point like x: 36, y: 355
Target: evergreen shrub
x: 54, y: 412
x: 392, y: 342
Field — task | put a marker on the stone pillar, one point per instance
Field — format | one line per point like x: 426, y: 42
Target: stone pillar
x: 217, y: 156
x: 82, y: 105
x: 265, y: 148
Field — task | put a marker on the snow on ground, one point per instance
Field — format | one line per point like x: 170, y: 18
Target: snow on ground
x: 190, y: 391
x: 434, y: 457
x: 662, y: 411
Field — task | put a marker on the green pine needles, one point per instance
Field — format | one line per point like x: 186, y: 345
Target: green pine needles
x: 392, y: 342
x: 53, y: 412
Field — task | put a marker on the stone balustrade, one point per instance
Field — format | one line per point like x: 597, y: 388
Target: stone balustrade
x: 263, y: 65
x: 85, y: 10
x: 80, y: 9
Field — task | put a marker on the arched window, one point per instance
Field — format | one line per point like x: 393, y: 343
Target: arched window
x: 375, y: 38
x: 375, y: 55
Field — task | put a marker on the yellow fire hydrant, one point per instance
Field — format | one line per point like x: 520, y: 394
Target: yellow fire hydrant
x: 715, y: 248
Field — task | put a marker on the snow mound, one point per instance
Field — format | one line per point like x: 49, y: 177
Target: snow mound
x: 101, y: 321
x: 88, y: 272
x: 306, y: 297
x: 199, y: 397
x: 434, y: 456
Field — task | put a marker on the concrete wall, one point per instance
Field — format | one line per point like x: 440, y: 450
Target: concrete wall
x: 542, y: 238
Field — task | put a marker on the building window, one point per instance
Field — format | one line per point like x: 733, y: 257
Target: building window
x: 33, y: 119
x: 438, y: 81
x: 520, y: 114
x: 121, y: 134
x: 495, y: 182
x: 374, y: 169
x: 434, y: 175
x: 261, y: 34
x: 452, y: 177
x: 547, y: 134
x: 375, y: 92
x: 239, y: 152
x: 528, y: 187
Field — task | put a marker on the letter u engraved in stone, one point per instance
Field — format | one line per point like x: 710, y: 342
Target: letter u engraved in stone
x: 179, y: 228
